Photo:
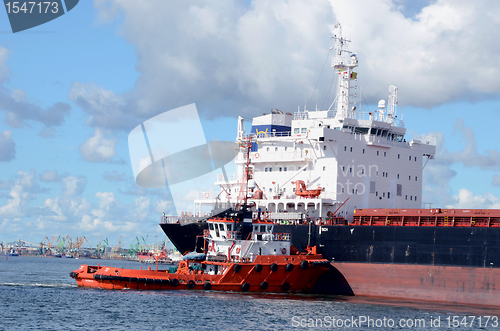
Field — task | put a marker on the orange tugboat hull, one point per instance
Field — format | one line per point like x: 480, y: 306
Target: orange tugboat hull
x: 292, y: 273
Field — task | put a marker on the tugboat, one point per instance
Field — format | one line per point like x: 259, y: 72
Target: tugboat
x: 241, y: 253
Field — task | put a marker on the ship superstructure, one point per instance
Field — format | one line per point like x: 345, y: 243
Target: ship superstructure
x: 307, y: 164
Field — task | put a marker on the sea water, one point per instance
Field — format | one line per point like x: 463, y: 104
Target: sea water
x: 37, y: 294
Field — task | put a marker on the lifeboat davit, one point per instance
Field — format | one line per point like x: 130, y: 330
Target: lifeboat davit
x: 301, y: 191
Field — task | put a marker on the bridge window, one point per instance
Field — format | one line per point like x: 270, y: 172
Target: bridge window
x: 284, y: 169
x: 399, y: 156
x: 377, y: 153
x: 304, y: 130
x: 276, y: 149
x: 324, y: 148
x: 296, y: 131
x: 229, y: 227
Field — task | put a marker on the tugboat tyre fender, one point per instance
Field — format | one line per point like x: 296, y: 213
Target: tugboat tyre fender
x: 286, y: 287
x: 258, y: 267
x: 304, y: 265
x: 207, y: 286
x: 191, y: 284
x: 274, y: 267
x: 289, y: 267
x: 264, y: 285
x: 174, y: 282
x: 245, y: 287
x: 237, y: 268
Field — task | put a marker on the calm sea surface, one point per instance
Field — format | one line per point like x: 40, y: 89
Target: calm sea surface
x: 38, y: 294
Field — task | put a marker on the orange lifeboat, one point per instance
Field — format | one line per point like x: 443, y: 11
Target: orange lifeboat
x: 301, y: 191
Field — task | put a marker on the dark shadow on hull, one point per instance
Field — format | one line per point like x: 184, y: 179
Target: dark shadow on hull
x: 333, y: 282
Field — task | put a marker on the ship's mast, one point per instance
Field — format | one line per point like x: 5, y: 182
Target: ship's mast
x: 246, y: 146
x: 343, y: 65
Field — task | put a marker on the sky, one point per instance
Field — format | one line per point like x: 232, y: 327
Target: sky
x: 72, y: 90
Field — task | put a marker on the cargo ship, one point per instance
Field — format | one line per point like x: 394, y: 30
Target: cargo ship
x: 350, y: 183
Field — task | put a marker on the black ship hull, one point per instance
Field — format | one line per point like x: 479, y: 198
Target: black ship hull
x: 435, y: 264
x: 442, y: 246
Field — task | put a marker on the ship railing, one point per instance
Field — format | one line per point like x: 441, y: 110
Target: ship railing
x: 206, y: 195
x: 285, y: 216
x: 288, y: 156
x: 230, y: 177
x: 358, y: 115
x: 170, y: 220
x: 266, y: 236
x: 424, y: 220
x: 269, y: 134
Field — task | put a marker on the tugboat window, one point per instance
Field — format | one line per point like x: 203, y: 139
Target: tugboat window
x: 229, y: 227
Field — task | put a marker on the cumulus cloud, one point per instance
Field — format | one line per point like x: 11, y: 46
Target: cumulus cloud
x: 439, y: 172
x: 49, y: 176
x: 223, y: 56
x: 7, y: 146
x: 21, y: 194
x: 73, y: 186
x: 495, y: 180
x: 228, y: 56
x: 98, y: 148
x: 467, y: 199
x: 19, y: 110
